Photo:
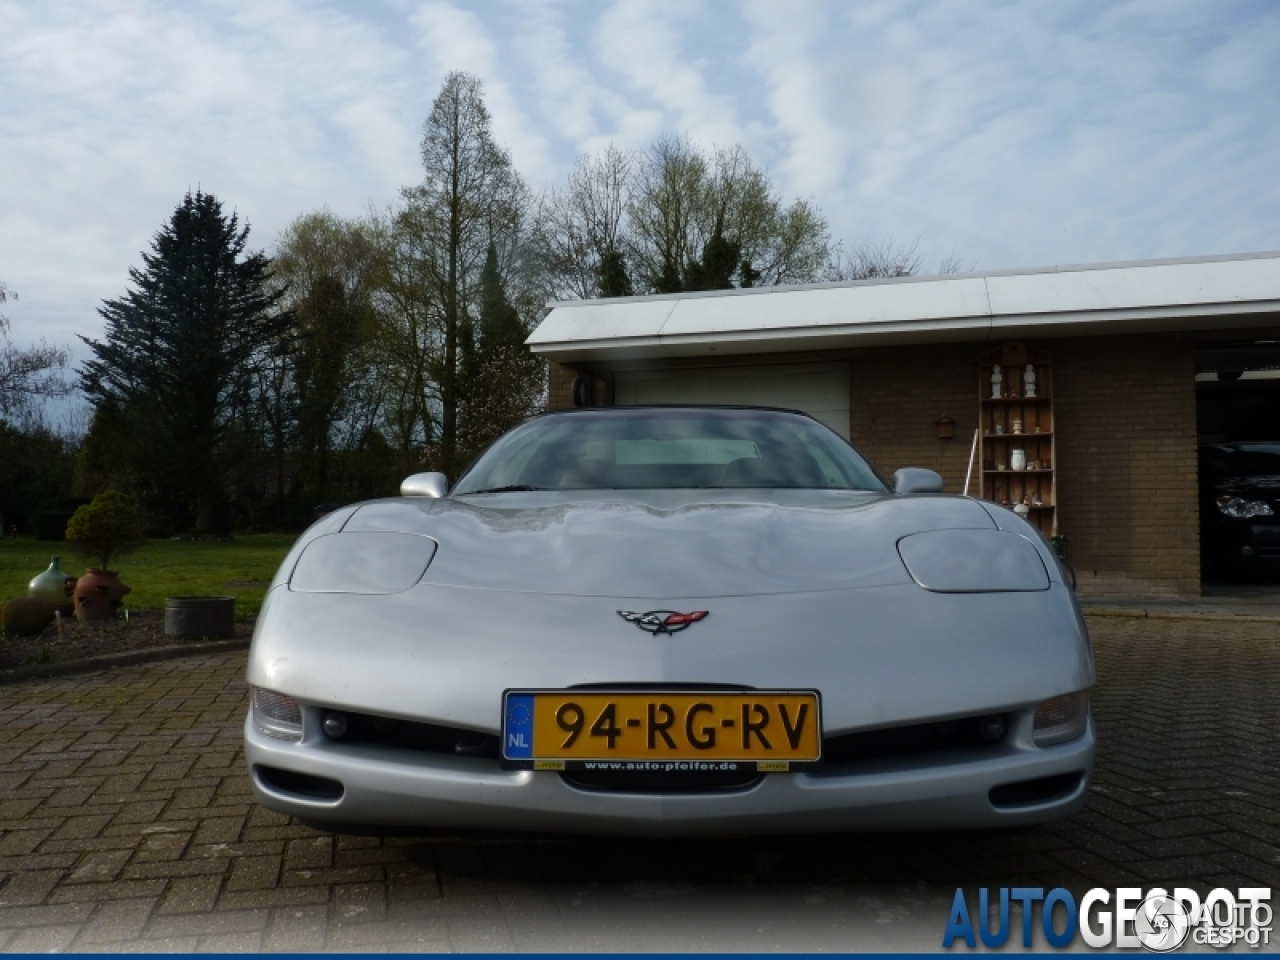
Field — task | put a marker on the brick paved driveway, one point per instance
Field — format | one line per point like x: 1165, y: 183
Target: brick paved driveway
x: 126, y: 822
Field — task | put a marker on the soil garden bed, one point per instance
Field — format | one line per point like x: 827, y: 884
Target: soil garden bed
x: 144, y: 630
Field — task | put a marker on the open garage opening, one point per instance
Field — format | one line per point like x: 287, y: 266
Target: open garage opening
x: 1238, y: 428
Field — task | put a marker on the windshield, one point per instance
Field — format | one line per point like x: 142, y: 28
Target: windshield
x: 670, y: 448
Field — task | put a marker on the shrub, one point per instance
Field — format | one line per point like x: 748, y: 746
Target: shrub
x: 108, y: 527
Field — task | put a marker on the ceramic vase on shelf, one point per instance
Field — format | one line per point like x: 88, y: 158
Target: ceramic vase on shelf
x: 1018, y: 460
x: 1029, y: 380
x: 997, y: 382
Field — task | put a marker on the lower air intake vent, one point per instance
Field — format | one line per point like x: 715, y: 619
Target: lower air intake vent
x: 299, y: 784
x: 1027, y: 793
x: 970, y: 734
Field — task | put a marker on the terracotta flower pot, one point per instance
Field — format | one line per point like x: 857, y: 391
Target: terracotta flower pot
x: 98, y: 595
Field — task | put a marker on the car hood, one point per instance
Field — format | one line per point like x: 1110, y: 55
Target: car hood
x: 668, y: 543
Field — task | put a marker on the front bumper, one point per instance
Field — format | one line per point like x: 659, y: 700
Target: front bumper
x: 386, y: 786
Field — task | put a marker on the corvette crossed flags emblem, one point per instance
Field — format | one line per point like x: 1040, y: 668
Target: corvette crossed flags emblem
x: 663, y: 621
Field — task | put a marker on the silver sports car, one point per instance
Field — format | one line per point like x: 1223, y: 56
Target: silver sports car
x: 671, y: 620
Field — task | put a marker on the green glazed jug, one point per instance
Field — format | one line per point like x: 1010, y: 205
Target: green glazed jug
x: 51, y: 586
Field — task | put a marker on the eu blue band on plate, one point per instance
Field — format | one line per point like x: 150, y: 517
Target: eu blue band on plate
x: 518, y: 729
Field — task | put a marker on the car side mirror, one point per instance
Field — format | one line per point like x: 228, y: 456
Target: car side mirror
x: 916, y: 480
x: 433, y: 485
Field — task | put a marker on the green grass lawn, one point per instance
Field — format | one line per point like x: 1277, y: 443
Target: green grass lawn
x: 242, y: 568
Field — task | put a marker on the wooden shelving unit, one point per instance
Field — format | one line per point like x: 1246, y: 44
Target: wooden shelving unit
x: 1014, y: 421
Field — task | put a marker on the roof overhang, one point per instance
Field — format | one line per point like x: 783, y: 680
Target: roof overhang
x: 1096, y: 300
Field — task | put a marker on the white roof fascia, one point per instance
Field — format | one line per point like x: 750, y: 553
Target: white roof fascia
x: 1099, y: 299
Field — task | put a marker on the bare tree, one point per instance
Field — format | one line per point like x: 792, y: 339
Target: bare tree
x: 582, y: 229
x: 872, y: 262
x: 705, y: 221
x: 666, y: 212
x: 437, y: 244
x: 30, y: 374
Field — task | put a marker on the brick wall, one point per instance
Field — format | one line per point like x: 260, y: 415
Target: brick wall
x: 897, y: 394
x: 1126, y: 441
x: 560, y: 386
x: 1127, y: 487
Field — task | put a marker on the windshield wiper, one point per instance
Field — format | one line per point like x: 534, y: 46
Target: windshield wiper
x: 512, y: 488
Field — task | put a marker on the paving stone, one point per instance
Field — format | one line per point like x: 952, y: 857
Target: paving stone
x: 297, y: 929
x: 114, y: 922
x: 191, y: 895
x: 81, y: 827
x: 273, y: 897
x: 29, y: 887
x: 22, y: 841
x: 362, y: 902
x: 162, y: 847
x: 208, y: 924
x: 310, y: 852
x: 176, y: 868
x: 52, y: 939
x: 99, y: 892
x: 254, y: 873
x: 44, y: 915
x: 217, y: 829
x: 99, y: 866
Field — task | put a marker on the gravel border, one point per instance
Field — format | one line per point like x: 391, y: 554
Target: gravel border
x: 110, y: 661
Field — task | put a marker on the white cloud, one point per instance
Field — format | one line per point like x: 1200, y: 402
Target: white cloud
x: 1009, y: 134
x: 655, y: 48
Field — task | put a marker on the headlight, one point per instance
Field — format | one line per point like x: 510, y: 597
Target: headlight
x: 973, y: 561
x: 276, y: 715
x: 1061, y: 719
x: 1242, y: 509
x: 373, y: 562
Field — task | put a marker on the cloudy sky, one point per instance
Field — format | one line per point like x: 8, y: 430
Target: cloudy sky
x: 1006, y: 134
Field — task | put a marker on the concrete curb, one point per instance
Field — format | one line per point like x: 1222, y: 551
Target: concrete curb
x: 109, y: 661
x: 1140, y: 613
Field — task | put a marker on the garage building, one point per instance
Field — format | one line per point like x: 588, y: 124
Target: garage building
x: 1146, y: 360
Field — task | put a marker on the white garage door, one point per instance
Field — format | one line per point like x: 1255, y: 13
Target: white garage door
x: 819, y: 389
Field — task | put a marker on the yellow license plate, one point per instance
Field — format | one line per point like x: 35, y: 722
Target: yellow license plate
x: 545, y: 729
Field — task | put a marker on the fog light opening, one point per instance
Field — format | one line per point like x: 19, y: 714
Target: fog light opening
x: 335, y: 724
x: 1061, y: 719
x: 992, y: 728
x: 276, y: 715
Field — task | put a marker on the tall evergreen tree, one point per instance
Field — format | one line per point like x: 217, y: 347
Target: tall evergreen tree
x: 180, y: 351
x: 504, y: 382
x: 499, y: 320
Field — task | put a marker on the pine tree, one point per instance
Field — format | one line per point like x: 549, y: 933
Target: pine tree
x: 612, y: 277
x: 505, y: 381
x: 180, y: 350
